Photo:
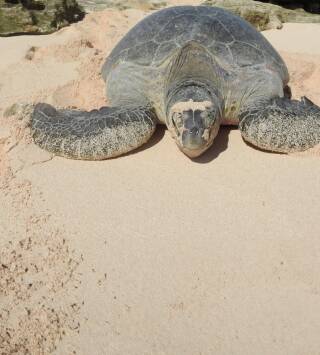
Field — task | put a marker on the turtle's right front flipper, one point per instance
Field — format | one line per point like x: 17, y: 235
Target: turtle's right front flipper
x: 95, y: 135
x: 282, y: 125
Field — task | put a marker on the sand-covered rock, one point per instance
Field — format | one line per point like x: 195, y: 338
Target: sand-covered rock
x: 144, y: 5
x: 264, y: 16
x: 94, y: 5
x: 312, y: 6
x: 37, y: 16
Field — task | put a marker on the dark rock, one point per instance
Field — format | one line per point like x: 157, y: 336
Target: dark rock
x: 310, y: 6
x: 145, y: 5
x: 37, y: 16
x: 263, y: 15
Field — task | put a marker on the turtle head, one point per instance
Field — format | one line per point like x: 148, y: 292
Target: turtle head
x: 193, y: 121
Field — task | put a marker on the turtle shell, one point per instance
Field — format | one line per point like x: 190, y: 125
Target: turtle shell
x: 233, y: 42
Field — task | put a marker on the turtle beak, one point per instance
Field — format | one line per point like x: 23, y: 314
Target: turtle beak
x: 195, y: 137
x: 193, y: 153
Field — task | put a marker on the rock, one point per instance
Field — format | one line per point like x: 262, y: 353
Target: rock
x: 264, y: 16
x: 145, y: 5
x: 310, y: 6
x: 37, y: 16
x: 31, y: 52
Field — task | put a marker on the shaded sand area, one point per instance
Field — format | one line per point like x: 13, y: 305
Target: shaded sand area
x: 152, y: 253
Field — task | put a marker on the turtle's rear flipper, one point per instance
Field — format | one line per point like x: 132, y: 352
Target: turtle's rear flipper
x: 95, y: 135
x: 282, y: 125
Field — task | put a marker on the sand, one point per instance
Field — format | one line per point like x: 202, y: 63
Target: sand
x: 152, y: 253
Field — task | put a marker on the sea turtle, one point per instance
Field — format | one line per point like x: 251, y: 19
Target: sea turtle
x: 192, y: 68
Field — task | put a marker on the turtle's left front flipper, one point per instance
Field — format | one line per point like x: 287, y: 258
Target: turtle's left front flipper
x: 95, y: 135
x: 282, y: 125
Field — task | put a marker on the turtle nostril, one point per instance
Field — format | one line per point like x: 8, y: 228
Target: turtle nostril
x: 194, y: 130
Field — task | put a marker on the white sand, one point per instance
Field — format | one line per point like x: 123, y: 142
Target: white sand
x: 152, y: 253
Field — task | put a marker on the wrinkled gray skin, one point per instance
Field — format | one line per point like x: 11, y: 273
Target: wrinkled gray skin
x: 193, y: 69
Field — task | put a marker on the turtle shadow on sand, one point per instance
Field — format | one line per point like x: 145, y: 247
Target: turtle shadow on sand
x: 262, y: 150
x: 219, y: 145
x: 155, y: 139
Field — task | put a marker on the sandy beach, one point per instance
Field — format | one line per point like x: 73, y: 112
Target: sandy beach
x: 152, y: 253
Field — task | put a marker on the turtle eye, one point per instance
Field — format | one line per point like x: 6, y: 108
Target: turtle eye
x: 207, y: 116
x: 177, y: 119
x: 177, y: 122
